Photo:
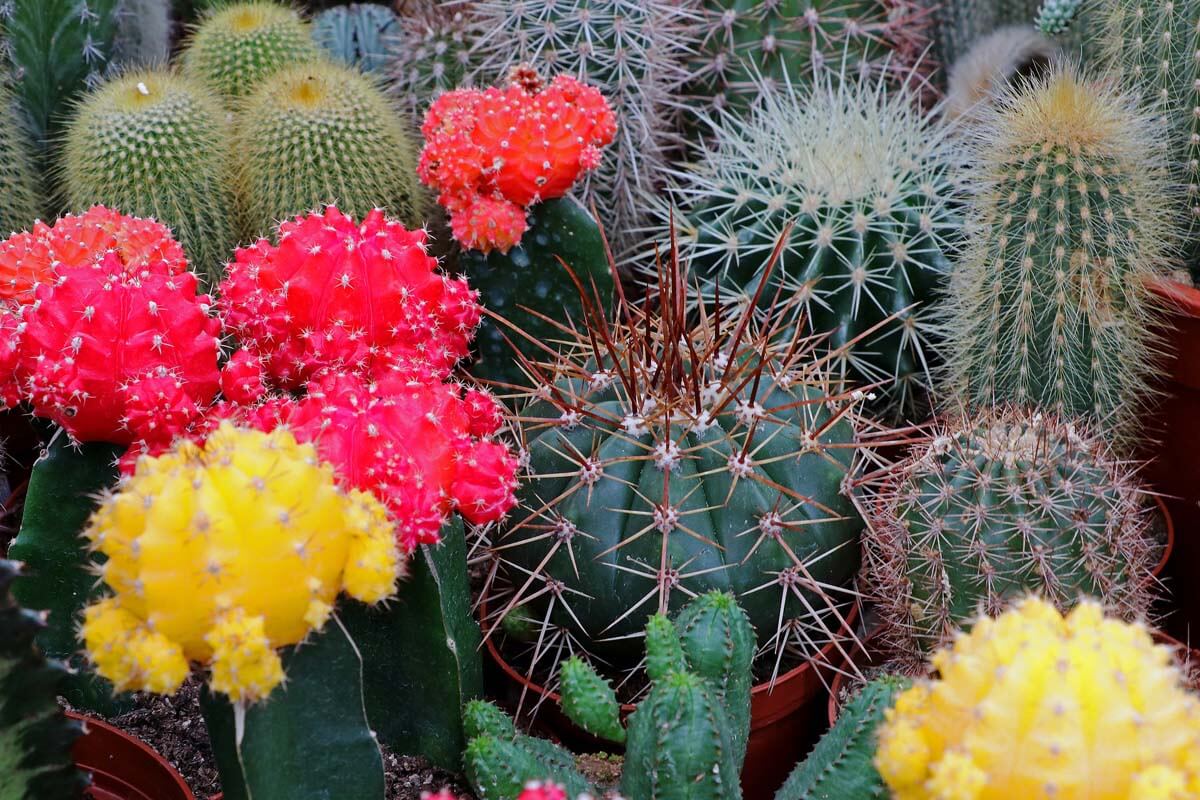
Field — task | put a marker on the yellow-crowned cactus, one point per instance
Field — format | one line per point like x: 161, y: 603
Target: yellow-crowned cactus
x: 1038, y: 706
x: 224, y: 553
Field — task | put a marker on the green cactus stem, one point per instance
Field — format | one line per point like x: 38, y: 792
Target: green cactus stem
x: 357, y: 34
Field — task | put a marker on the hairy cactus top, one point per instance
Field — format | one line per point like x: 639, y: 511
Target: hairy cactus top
x: 339, y: 295
x: 489, y: 153
x: 240, y: 44
x: 262, y: 538
x: 118, y: 348
x: 1040, y: 706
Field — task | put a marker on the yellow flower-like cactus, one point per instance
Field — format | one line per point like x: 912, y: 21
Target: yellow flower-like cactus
x: 1036, y: 706
x: 220, y: 554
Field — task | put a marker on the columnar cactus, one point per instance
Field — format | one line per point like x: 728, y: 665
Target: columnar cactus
x: 428, y: 54
x: 865, y: 209
x: 321, y: 133
x: 239, y: 45
x: 1049, y: 304
x: 1041, y: 706
x: 20, y: 202
x: 996, y: 507
x: 155, y: 144
x: 499, y: 762
x: 654, y: 450
x: 356, y: 35
x: 634, y: 51
x: 265, y: 541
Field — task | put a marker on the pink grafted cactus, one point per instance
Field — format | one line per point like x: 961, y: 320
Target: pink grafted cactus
x: 490, y: 153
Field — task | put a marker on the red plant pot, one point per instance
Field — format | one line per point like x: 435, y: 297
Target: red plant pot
x: 123, y: 767
x: 785, y: 718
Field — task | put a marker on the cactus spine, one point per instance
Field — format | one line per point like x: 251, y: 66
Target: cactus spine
x: 1049, y: 304
x: 20, y: 202
x: 997, y: 507
x: 321, y: 133
x: 867, y: 207
x: 429, y: 53
x: 357, y: 34
x: 155, y: 144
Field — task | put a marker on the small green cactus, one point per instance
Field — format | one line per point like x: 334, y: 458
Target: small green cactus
x: 357, y: 34
x: 429, y: 54
x: 155, y: 144
x: 1055, y: 16
x: 589, y: 700
x: 1049, y: 304
x: 35, y: 735
x: 998, y: 507
x: 499, y: 761
x: 321, y: 133
x: 238, y: 45
x: 842, y: 765
x: 20, y: 200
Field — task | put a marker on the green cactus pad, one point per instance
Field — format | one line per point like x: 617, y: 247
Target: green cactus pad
x: 153, y: 144
x: 314, y: 134
x: 589, y: 701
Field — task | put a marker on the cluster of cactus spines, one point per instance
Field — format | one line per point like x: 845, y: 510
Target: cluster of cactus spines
x: 499, y: 762
x: 1049, y: 305
x: 1054, y: 17
x: 843, y: 763
x: 320, y: 133
x: 865, y: 211
x: 655, y: 445
x: 997, y: 506
x: 755, y: 45
x: 155, y: 144
x: 491, y: 153
x: 20, y: 198
x: 634, y: 51
x: 1007, y: 55
x: 35, y: 735
x: 428, y: 54
x: 356, y: 35
x: 117, y: 346
x: 239, y: 45
x: 259, y: 531
x: 339, y: 295
x: 143, y: 37
x: 1041, y: 706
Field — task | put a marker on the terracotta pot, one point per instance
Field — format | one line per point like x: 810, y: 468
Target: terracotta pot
x: 784, y: 718
x: 123, y: 767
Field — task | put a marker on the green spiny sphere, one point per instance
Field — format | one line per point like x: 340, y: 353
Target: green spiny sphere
x: 999, y: 507
x: 155, y: 144
x: 1049, y: 305
x: 357, y: 34
x: 862, y: 179
x: 429, y: 54
x: 237, y: 46
x: 20, y: 202
x: 322, y: 133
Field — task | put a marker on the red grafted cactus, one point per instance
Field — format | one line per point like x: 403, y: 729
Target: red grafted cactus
x: 336, y: 295
x: 543, y: 791
x: 74, y: 240
x: 418, y: 445
x: 490, y: 153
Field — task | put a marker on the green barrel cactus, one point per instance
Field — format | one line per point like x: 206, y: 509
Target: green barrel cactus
x: 20, y: 199
x: 321, y: 133
x: 430, y: 53
x: 155, y: 144
x: 667, y: 458
x: 238, y: 45
x: 1049, y: 305
x: 35, y: 735
x: 842, y: 765
x: 999, y: 507
x: 870, y: 216
x: 356, y: 35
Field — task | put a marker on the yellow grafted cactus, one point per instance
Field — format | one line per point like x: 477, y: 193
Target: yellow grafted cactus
x: 220, y: 554
x: 1036, y: 706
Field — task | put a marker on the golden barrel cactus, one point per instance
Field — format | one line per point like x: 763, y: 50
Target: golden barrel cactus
x: 220, y: 554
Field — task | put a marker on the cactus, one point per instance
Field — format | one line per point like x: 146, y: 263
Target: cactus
x: 652, y: 443
x: 143, y: 37
x: 866, y: 212
x: 154, y: 144
x: 752, y: 45
x: 961, y: 23
x: 1007, y: 55
x: 998, y: 506
x: 1049, y: 304
x: 589, y: 700
x: 35, y: 735
x: 20, y: 202
x: 634, y: 51
x: 842, y: 763
x: 118, y: 347
x: 499, y: 762
x: 321, y: 133
x: 428, y: 54
x: 239, y: 45
x: 356, y: 34
x: 1054, y: 17
x: 1040, y: 706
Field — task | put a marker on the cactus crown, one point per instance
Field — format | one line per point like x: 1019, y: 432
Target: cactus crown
x: 997, y: 507
x: 1037, y: 705
x: 1049, y: 305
